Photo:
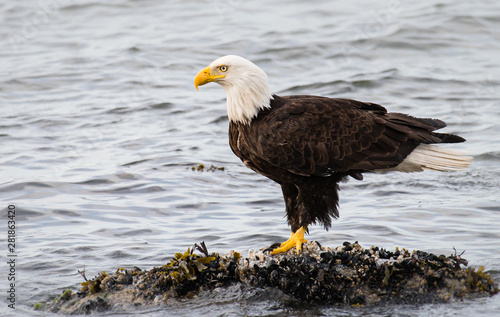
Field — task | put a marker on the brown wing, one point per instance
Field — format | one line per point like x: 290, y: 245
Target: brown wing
x: 310, y: 135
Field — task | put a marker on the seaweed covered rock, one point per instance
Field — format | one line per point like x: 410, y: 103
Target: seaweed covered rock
x: 346, y: 275
x: 351, y: 274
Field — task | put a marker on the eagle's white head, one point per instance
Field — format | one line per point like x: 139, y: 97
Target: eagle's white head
x: 246, y: 86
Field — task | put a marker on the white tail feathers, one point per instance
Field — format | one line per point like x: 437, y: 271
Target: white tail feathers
x: 433, y: 157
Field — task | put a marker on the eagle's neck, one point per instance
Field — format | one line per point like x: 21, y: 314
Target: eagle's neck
x: 246, y: 98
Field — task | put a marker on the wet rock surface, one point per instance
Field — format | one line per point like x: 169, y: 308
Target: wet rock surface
x: 346, y: 275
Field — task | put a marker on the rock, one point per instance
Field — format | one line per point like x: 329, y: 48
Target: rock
x: 346, y: 275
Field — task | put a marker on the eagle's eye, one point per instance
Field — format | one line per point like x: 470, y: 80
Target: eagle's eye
x: 223, y: 68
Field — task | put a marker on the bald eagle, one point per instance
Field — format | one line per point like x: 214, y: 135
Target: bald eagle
x: 308, y: 144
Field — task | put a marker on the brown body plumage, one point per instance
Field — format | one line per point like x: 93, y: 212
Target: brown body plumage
x: 308, y: 144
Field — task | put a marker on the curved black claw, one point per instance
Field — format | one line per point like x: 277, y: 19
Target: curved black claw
x: 272, y: 247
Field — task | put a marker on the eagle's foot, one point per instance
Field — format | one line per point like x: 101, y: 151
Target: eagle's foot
x: 296, y: 240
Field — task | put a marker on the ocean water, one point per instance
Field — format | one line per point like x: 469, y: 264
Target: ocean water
x: 100, y: 126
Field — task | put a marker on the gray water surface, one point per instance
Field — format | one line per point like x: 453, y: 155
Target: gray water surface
x: 100, y: 125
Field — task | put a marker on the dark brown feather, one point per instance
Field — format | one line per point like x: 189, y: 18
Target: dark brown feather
x: 308, y: 144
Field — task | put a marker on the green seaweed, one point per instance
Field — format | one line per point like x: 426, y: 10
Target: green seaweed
x: 185, y: 265
x: 66, y: 295
x: 212, y: 168
x: 93, y: 285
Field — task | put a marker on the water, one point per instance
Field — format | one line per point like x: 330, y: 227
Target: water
x: 101, y: 124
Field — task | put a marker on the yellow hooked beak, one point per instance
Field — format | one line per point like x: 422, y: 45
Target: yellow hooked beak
x: 205, y: 77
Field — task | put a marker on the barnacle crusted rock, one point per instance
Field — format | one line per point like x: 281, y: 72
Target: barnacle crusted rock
x: 346, y: 275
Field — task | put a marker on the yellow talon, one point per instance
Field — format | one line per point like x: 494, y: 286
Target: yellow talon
x: 296, y: 240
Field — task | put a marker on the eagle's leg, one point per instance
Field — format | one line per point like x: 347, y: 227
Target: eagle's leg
x: 296, y: 240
